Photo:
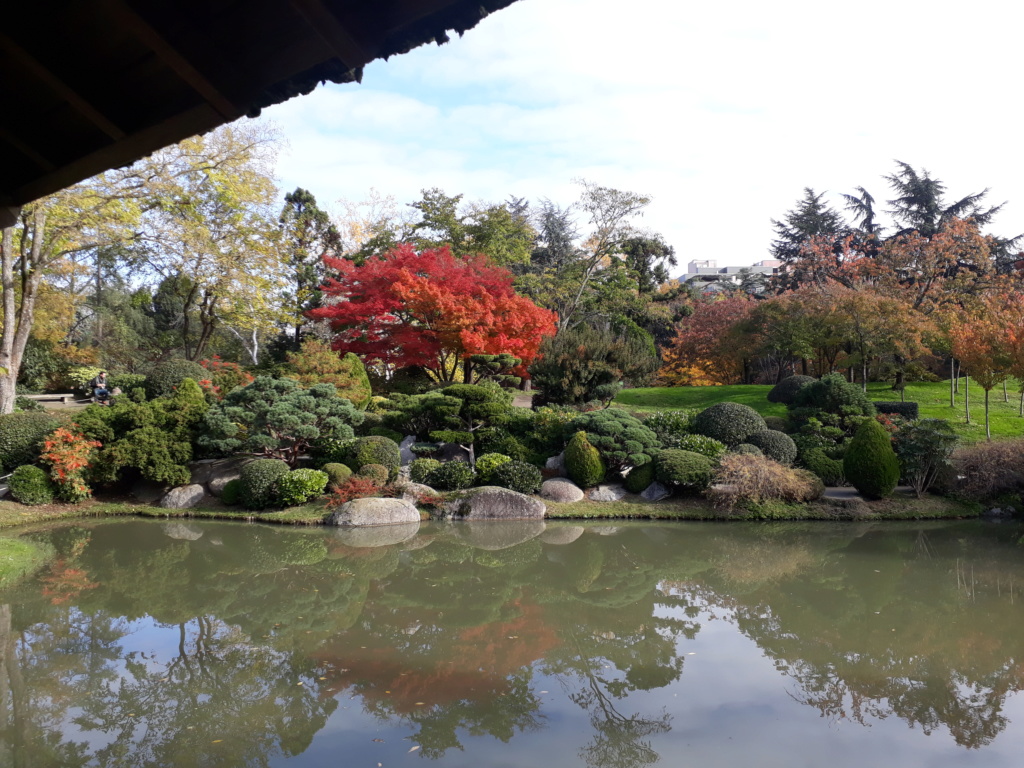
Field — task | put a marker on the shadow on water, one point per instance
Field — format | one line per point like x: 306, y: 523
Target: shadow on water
x: 213, y: 644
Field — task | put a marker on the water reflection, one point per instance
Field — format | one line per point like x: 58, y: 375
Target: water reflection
x: 213, y: 644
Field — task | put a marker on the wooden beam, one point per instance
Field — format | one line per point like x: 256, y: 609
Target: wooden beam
x: 26, y: 150
x: 181, y: 66
x: 326, y: 25
x: 58, y: 86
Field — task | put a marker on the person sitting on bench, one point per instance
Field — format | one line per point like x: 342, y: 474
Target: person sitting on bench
x: 100, y: 390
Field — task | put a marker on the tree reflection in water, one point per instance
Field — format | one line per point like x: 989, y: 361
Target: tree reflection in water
x: 447, y: 636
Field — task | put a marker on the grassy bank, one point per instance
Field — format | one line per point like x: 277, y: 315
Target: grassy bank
x: 932, y: 399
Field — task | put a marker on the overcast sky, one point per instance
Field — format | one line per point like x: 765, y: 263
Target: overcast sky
x: 722, y: 112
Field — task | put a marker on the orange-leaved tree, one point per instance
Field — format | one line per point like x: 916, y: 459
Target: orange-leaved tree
x: 707, y: 349
x: 980, y: 340
x: 430, y: 309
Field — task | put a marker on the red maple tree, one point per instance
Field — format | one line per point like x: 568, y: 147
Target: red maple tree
x: 430, y: 309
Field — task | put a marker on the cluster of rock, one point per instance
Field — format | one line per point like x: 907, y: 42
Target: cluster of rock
x: 209, y: 476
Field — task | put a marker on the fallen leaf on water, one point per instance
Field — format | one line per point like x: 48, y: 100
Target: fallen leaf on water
x: 379, y: 741
x: 217, y: 741
x: 413, y: 749
x: 419, y: 703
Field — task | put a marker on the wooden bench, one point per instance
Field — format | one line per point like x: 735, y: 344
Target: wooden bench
x: 63, y: 397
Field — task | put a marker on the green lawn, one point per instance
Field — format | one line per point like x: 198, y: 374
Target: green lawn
x: 932, y: 399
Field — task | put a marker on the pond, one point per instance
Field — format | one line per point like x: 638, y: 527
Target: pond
x: 515, y: 644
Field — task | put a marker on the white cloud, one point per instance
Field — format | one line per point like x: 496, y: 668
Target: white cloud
x: 723, y: 112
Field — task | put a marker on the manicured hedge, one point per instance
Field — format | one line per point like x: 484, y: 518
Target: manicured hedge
x: 259, y: 481
x: 908, y: 410
x: 870, y: 464
x: 775, y: 445
x: 730, y: 423
x: 21, y: 436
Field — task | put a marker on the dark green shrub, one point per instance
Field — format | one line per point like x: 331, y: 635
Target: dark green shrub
x: 924, y: 449
x: 499, y: 441
x: 730, y: 423
x: 622, y: 440
x: 705, y: 446
x: 517, y: 476
x: 374, y: 449
x: 451, y: 476
x: 332, y: 450
x: 336, y: 474
x: 126, y: 382
x: 835, y: 396
x: 390, y: 434
x: 21, y: 437
x: 870, y: 464
x: 785, y: 391
x: 908, y: 410
x: 669, y: 426
x: 154, y: 452
x: 639, y: 478
x: 259, y: 479
x: 829, y: 470
x: 746, y: 449
x: 231, y: 492
x: 376, y: 472
x: 777, y: 423
x: 421, y: 468
x: 583, y: 462
x: 27, y: 405
x: 777, y: 446
x: 684, y: 469
x: 31, y: 485
x: 424, y: 450
x: 299, y: 486
x: 486, y: 464
x: 166, y: 376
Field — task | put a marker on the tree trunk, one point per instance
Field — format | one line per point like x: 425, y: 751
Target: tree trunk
x: 1021, y: 414
x: 803, y: 365
x: 967, y: 397
x: 1006, y: 397
x: 864, y: 374
x: 17, y: 318
x: 957, y: 378
x: 988, y: 431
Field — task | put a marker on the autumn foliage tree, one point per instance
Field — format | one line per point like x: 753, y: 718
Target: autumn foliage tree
x: 979, y: 341
x: 705, y: 349
x: 430, y: 309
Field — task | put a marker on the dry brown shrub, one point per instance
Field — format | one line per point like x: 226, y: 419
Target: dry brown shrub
x: 986, y: 470
x: 746, y: 478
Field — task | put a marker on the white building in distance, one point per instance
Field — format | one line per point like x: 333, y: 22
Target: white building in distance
x: 705, y: 275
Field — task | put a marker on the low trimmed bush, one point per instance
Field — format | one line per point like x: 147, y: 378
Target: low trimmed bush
x: 777, y: 423
x: 376, y: 472
x: 908, y: 410
x: 21, y: 437
x: 785, y: 391
x: 421, y: 468
x: 730, y: 423
x: 231, y: 493
x: 747, y: 450
x: 683, y: 469
x: 870, y: 464
x: 299, y: 486
x: 31, y: 486
x: 702, y: 444
x: 336, y: 474
x: 517, y: 476
x: 486, y: 464
x: 259, y: 480
x: 374, y: 449
x: 583, y: 462
x: 777, y: 446
x: 669, y: 426
x: 452, y: 476
x: 829, y: 470
x: 639, y: 478
x: 27, y: 405
x: 749, y: 479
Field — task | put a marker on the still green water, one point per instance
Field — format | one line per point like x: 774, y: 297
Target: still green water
x: 512, y: 644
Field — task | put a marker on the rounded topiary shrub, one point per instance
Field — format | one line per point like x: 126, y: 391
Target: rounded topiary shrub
x: 870, y: 464
x: 376, y: 472
x: 299, y: 486
x: 31, y: 485
x: 730, y: 423
x: 702, y: 444
x: 622, y: 440
x: 583, y: 462
x: 777, y: 423
x: 746, y: 449
x: 231, y: 492
x: 828, y: 469
x: 165, y: 377
x: 775, y: 445
x: 375, y: 449
x: 684, y: 469
x: 785, y: 391
x: 639, y: 478
x: 517, y: 476
x: 259, y: 479
x: 486, y: 464
x: 421, y: 468
x: 336, y: 473
x: 21, y: 436
x: 451, y: 476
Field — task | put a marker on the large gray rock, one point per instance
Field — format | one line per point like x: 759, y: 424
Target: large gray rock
x: 182, y: 532
x: 492, y: 503
x: 405, y: 450
x: 379, y: 535
x: 359, y: 512
x: 499, y: 534
x: 413, y: 491
x: 655, y: 492
x: 613, y: 492
x: 561, y: 534
x: 216, y: 473
x: 556, y: 464
x: 183, y: 497
x: 561, y: 489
